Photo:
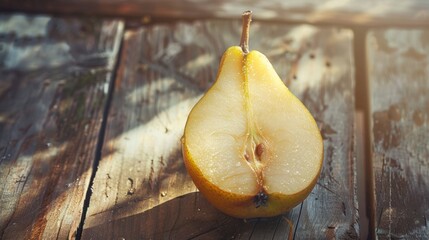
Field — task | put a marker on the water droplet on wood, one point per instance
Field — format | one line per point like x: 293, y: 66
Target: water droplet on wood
x: 418, y: 118
x: 394, y: 113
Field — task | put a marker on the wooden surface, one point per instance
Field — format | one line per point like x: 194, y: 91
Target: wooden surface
x: 399, y: 73
x: 333, y: 12
x: 142, y: 188
x: 55, y: 74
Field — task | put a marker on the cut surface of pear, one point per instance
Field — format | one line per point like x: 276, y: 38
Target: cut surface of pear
x: 250, y: 139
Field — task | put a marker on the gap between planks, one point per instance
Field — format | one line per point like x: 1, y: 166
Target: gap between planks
x: 347, y: 13
x: 100, y: 140
x: 364, y: 162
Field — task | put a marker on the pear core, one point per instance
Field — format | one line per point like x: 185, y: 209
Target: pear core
x: 249, y: 135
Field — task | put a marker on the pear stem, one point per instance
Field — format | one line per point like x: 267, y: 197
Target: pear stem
x: 244, y: 42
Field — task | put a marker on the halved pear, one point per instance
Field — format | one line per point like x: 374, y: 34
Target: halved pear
x: 251, y: 147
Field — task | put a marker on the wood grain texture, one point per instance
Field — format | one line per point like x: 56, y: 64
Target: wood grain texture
x: 55, y: 74
x: 142, y: 188
x: 398, y: 72
x: 344, y: 12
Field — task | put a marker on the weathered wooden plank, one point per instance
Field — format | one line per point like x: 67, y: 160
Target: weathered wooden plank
x: 399, y: 72
x: 142, y: 188
x: 55, y: 74
x: 344, y: 12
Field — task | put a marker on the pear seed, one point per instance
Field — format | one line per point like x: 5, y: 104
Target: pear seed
x: 259, y: 150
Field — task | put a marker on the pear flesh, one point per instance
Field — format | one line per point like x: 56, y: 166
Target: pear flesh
x: 250, y: 136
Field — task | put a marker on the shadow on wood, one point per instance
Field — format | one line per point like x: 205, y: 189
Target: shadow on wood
x: 186, y: 217
x: 364, y: 13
